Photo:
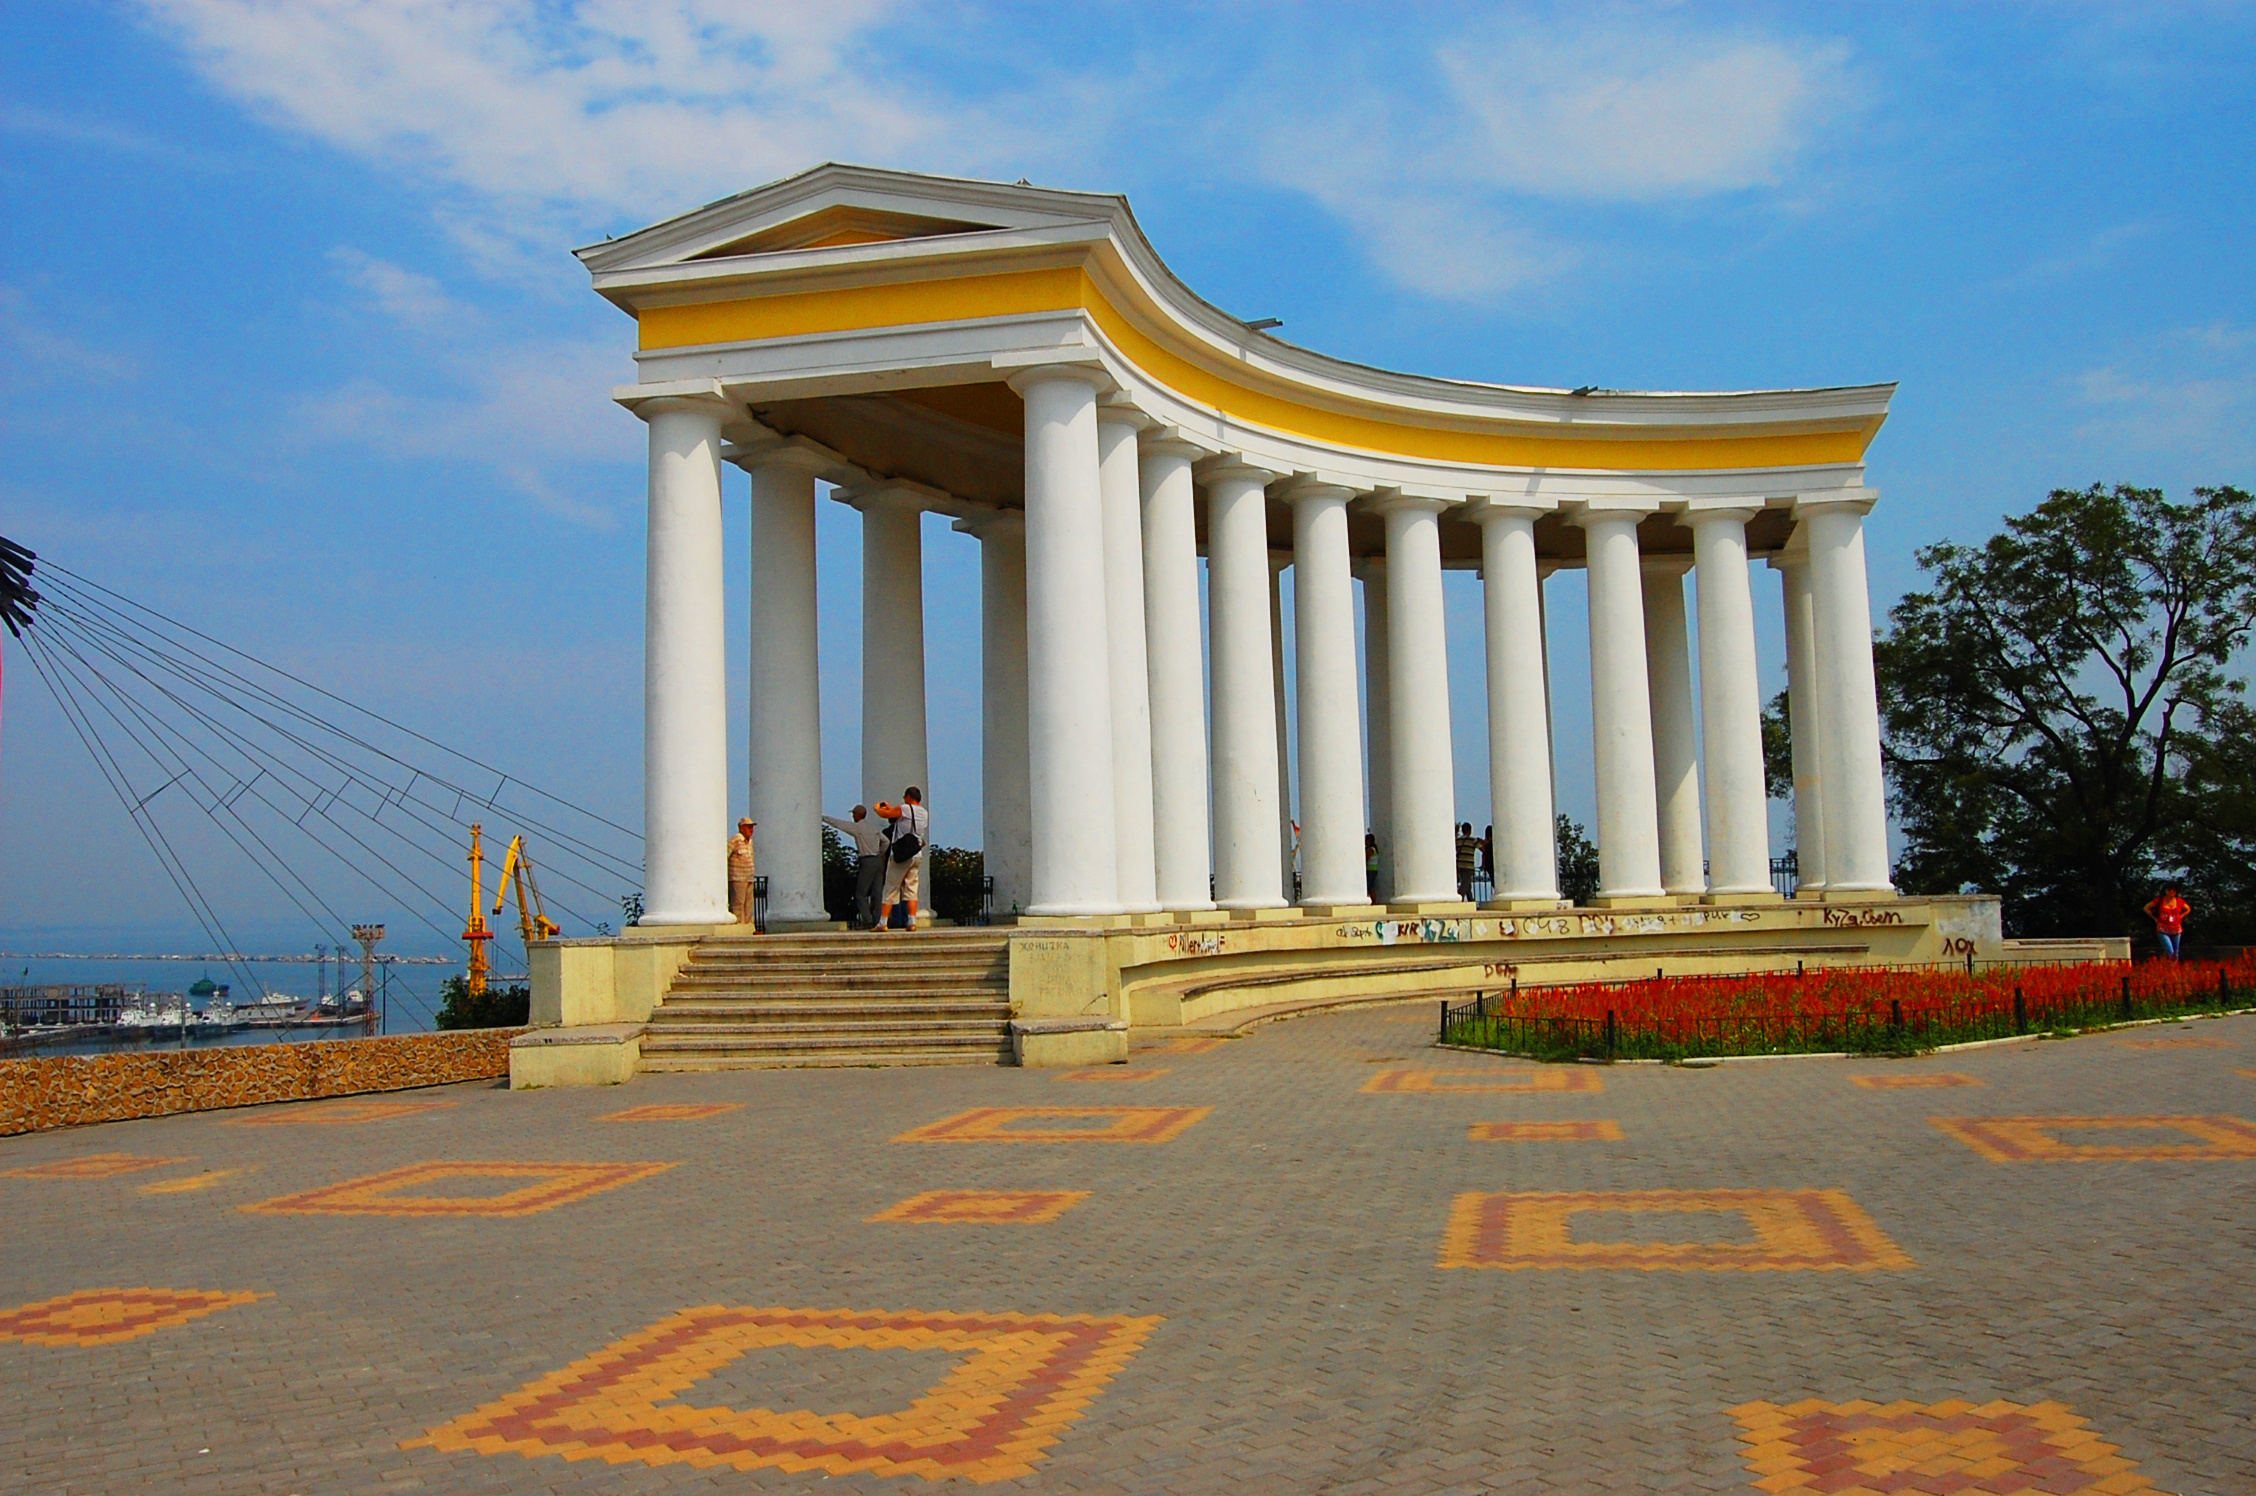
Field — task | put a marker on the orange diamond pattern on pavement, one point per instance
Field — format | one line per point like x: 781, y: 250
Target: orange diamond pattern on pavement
x: 1554, y: 1078
x: 1911, y: 1449
x: 673, y: 1112
x: 90, y: 1166
x: 1795, y: 1230
x: 1112, y: 1073
x: 338, y: 1113
x: 386, y: 1194
x: 105, y: 1316
x: 1594, y: 1131
x: 2011, y: 1140
x: 1189, y: 1044
x: 1915, y: 1082
x: 1023, y: 1380
x: 984, y: 1207
x: 1055, y: 1124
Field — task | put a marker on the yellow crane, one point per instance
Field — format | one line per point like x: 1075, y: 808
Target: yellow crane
x: 532, y: 916
x: 475, y: 934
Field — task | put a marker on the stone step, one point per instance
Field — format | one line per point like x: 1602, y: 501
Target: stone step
x: 873, y: 1058
x: 872, y: 975
x: 757, y: 1031
x: 991, y: 1040
x: 779, y: 992
x: 825, y: 1008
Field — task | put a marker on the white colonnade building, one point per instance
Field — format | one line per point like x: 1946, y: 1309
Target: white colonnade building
x: 1019, y: 359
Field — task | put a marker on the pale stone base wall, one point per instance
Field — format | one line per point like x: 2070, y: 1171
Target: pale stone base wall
x: 72, y: 1090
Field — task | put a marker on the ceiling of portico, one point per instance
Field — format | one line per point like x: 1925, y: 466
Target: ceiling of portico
x: 965, y: 440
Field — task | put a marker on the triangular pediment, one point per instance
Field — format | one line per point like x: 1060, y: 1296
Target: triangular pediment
x: 832, y: 206
x: 841, y: 224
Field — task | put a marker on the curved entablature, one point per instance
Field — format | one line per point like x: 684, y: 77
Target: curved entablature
x: 881, y: 312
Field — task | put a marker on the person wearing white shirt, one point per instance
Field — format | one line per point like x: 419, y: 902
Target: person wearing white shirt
x: 910, y: 832
x: 868, y: 838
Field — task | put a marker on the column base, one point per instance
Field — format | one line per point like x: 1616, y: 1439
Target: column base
x: 1762, y: 896
x: 1357, y: 910
x: 1513, y: 904
x: 1264, y: 912
x: 1859, y: 895
x: 1209, y: 915
x: 1654, y: 900
x: 1811, y: 894
x: 1432, y: 906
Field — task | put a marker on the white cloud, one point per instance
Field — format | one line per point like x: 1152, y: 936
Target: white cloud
x: 34, y: 353
x: 1444, y: 175
x: 2202, y: 415
x: 541, y: 119
x: 406, y: 296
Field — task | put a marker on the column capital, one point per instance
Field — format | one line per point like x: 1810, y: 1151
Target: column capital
x: 1221, y: 467
x: 1604, y: 508
x: 1485, y: 507
x: 1693, y: 511
x: 1390, y: 500
x: 795, y: 452
x: 1665, y: 563
x: 1119, y: 410
x: 706, y: 395
x: 893, y: 494
x: 1312, y: 489
x: 984, y: 523
x: 1088, y: 370
x: 1839, y: 500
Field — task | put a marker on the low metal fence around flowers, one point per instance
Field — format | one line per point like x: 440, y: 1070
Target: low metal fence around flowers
x: 1869, y: 1010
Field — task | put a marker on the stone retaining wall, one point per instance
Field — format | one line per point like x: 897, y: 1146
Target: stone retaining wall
x: 72, y: 1090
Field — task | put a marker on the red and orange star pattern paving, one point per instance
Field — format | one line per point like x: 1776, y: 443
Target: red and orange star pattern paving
x: 1055, y: 1124
x: 1555, y: 1078
x: 105, y: 1316
x: 2012, y: 1140
x: 673, y: 1112
x: 1795, y: 1230
x: 385, y: 1194
x: 1021, y: 1381
x: 1596, y: 1130
x: 1913, y: 1449
x: 983, y: 1207
x: 338, y: 1113
x: 90, y: 1166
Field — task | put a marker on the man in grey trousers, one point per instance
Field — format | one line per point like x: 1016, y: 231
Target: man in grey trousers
x: 868, y: 838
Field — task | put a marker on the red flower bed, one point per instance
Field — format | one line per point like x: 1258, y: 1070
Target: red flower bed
x: 1839, y: 1008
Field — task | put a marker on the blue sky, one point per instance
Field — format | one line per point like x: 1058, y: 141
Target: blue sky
x: 291, y: 343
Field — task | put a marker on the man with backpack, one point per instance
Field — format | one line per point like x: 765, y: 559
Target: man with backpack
x: 910, y: 828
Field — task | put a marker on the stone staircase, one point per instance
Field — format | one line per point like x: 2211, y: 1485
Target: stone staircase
x: 935, y: 997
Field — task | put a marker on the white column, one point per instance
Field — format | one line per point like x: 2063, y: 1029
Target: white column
x: 1424, y: 801
x: 1177, y: 674
x: 1730, y: 702
x: 1805, y: 717
x: 893, y: 718
x: 1378, y: 717
x: 1519, y: 717
x: 1068, y: 672
x: 1331, y: 757
x: 1005, y: 826
x: 1856, y: 802
x: 1278, y: 561
x: 785, y: 728
x: 1676, y: 749
x: 684, y: 670
x: 1246, y: 870
x: 1119, y: 478
x: 1629, y: 841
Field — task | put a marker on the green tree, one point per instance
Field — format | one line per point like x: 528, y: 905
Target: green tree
x: 2062, y: 723
x: 1578, y: 863
x: 496, y: 1007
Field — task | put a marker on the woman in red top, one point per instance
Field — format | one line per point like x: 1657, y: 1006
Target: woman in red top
x: 2168, y: 913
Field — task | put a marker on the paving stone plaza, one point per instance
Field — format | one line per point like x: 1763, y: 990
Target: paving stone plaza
x: 1325, y: 1256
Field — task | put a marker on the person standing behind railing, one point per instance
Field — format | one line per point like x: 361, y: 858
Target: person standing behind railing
x: 868, y: 838
x: 2169, y: 915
